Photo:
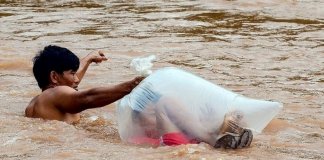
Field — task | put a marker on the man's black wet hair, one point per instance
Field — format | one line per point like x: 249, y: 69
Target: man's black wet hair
x: 53, y: 58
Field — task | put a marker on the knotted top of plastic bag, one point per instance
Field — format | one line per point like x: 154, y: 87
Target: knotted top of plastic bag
x: 143, y: 65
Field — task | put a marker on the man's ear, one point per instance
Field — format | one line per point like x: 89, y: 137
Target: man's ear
x: 54, y: 77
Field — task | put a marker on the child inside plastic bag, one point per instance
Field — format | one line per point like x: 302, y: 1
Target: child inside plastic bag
x: 174, y: 107
x: 172, y: 122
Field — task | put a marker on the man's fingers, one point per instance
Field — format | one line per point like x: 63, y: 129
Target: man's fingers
x: 104, y: 58
x: 138, y: 79
x: 102, y: 55
x: 99, y: 56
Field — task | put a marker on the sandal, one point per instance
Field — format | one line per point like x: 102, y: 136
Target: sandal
x: 245, y: 139
x: 234, y: 141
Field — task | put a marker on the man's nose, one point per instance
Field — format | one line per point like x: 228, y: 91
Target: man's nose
x: 76, y: 79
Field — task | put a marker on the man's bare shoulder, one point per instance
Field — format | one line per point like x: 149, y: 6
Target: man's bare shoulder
x: 29, y: 111
x: 58, y: 90
x: 46, y: 99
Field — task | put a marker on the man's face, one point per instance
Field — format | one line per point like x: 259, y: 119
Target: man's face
x: 69, y: 78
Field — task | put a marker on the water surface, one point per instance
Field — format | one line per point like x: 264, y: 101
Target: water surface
x: 266, y: 49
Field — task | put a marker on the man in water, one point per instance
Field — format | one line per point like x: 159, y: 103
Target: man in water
x: 58, y: 72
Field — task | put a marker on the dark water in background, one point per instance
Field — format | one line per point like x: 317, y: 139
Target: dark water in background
x: 261, y: 49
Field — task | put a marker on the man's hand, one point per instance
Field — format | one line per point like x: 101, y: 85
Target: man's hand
x: 134, y: 82
x: 96, y: 56
x: 137, y: 80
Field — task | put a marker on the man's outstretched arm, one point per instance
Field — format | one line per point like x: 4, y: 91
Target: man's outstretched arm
x: 71, y: 101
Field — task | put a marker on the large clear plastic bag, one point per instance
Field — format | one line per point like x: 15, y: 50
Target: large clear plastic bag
x: 203, y: 106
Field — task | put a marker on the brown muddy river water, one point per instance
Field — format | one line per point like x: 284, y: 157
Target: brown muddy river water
x: 263, y: 49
